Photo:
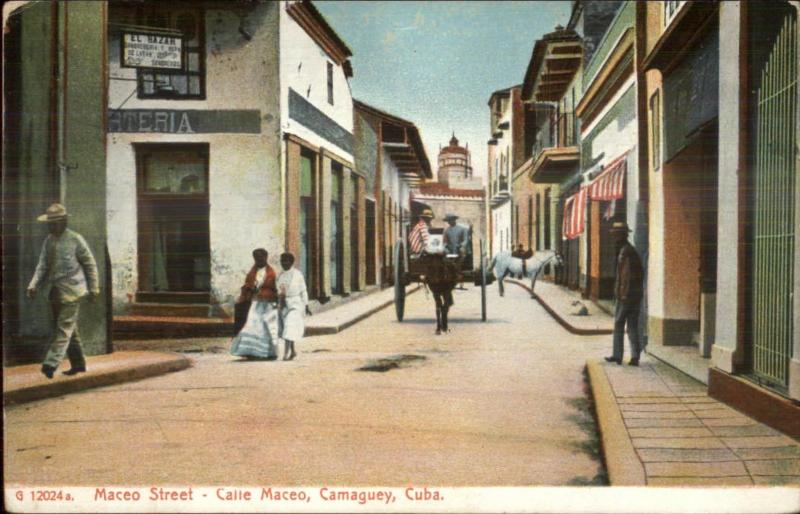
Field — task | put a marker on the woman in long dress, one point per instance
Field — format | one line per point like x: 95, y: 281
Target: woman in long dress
x: 258, y: 337
x: 294, y: 301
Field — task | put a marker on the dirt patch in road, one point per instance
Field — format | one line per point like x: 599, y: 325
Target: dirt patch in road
x: 393, y: 362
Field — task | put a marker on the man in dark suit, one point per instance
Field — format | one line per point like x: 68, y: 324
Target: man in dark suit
x: 628, y: 294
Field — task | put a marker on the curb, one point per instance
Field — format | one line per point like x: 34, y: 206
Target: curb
x: 622, y: 462
x: 561, y: 321
x: 50, y: 389
x: 325, y: 330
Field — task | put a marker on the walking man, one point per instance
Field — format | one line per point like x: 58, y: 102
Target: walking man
x: 67, y: 267
x: 293, y: 299
x: 628, y: 294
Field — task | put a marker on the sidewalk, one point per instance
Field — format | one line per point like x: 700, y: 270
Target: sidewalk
x: 27, y: 383
x: 659, y: 427
x: 560, y: 302
x: 335, y: 320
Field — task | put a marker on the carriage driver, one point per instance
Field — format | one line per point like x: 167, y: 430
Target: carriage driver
x: 456, y: 236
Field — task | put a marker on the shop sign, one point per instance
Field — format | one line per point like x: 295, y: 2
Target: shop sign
x: 151, y: 51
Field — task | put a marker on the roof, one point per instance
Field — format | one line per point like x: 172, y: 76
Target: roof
x: 502, y: 92
x: 416, y: 150
x: 439, y: 189
x: 311, y: 20
x: 560, y: 35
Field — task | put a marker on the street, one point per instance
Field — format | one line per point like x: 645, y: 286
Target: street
x: 489, y: 404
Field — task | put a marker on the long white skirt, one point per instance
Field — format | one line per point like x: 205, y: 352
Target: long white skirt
x: 259, y: 336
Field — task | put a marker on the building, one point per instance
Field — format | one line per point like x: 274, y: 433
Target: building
x: 243, y: 140
x: 458, y: 192
x: 550, y: 91
x: 54, y: 125
x: 505, y: 153
x: 390, y: 155
x: 722, y: 157
x: 455, y: 167
x: 612, y: 189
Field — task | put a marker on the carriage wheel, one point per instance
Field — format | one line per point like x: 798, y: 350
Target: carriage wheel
x: 483, y: 282
x: 399, y: 281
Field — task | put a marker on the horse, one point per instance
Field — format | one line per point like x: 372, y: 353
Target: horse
x: 441, y: 277
x: 503, y: 264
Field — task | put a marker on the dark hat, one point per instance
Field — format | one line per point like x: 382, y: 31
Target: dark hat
x: 450, y: 216
x: 55, y: 212
x: 619, y: 226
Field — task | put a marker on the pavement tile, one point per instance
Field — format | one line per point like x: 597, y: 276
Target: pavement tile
x: 667, y: 423
x: 716, y: 413
x: 653, y: 407
x: 774, y: 467
x: 690, y: 393
x: 698, y: 399
x: 743, y: 431
x: 636, y: 392
x: 698, y: 481
x: 677, y: 442
x: 658, y: 415
x: 783, y: 452
x: 739, y: 421
x: 696, y: 469
x: 669, y: 432
x: 685, y: 455
x: 774, y: 441
x: 697, y: 407
x: 649, y: 400
x: 776, y: 480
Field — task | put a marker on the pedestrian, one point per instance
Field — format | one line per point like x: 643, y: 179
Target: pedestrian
x: 294, y: 304
x: 67, y: 267
x: 628, y: 295
x: 455, y: 236
x: 259, y: 335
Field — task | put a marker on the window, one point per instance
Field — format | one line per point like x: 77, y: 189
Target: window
x: 330, y: 83
x: 671, y: 8
x: 655, y: 134
x: 188, y: 83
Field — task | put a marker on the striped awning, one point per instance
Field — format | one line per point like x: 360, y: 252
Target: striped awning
x: 610, y: 184
x: 574, y: 214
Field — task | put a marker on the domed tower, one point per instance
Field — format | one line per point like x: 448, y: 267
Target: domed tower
x: 455, y: 164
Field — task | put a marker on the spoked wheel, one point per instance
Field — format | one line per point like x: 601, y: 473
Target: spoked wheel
x: 399, y: 281
x: 483, y: 282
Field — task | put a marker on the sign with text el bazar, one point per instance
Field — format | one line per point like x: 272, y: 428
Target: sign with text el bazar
x: 152, y: 51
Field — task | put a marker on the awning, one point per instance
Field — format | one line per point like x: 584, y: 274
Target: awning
x: 574, y: 214
x: 610, y: 184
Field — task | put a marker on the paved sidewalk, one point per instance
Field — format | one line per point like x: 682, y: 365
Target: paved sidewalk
x: 659, y: 427
x: 563, y: 304
x: 27, y: 383
x: 334, y: 320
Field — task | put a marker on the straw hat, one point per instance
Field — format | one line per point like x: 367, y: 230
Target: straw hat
x: 426, y: 213
x: 55, y: 212
x: 619, y: 226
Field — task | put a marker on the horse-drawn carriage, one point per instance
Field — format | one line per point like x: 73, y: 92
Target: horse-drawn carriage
x: 440, y: 272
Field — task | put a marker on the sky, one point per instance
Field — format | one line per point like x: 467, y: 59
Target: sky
x: 437, y: 63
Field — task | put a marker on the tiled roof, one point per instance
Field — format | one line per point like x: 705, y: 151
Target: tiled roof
x: 437, y: 188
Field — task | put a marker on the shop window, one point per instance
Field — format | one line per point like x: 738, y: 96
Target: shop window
x: 186, y: 83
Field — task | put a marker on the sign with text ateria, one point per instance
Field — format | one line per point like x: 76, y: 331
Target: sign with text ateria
x: 152, y: 51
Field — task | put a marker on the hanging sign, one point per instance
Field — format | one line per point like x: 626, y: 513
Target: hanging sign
x: 151, y: 51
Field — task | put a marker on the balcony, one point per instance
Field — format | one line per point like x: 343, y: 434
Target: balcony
x: 500, y: 191
x: 555, y: 150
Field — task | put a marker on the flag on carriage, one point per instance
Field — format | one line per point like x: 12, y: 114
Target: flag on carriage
x: 418, y: 238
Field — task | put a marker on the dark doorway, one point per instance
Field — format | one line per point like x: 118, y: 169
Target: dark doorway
x: 369, y: 209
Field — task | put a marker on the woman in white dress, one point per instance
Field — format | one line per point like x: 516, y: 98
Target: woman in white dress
x: 294, y: 304
x: 258, y: 337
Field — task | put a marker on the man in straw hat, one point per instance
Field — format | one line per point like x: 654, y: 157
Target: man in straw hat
x: 67, y: 267
x: 419, y: 235
x: 628, y: 295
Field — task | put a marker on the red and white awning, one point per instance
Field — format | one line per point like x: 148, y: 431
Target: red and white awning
x: 574, y: 214
x: 610, y: 184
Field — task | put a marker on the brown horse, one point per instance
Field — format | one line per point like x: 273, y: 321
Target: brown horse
x: 441, y: 277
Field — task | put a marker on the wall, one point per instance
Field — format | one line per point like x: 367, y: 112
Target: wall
x: 501, y: 226
x: 303, y: 68
x: 244, y: 169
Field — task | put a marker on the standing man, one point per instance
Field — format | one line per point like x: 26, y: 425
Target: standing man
x: 67, y: 267
x: 455, y: 236
x: 293, y: 299
x: 628, y: 294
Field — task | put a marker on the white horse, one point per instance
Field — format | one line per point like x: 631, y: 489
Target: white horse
x: 503, y: 264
